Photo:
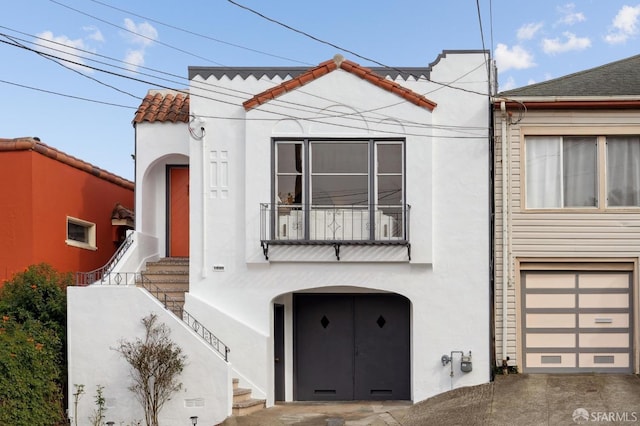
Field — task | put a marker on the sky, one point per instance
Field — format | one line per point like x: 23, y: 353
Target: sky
x: 117, y: 50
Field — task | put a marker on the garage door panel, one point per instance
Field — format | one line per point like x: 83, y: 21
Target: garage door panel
x: 551, y: 320
x: 604, y: 340
x: 604, y: 320
x: 616, y: 300
x: 551, y: 359
x: 603, y: 281
x: 551, y: 281
x: 551, y: 301
x: 577, y: 321
x: 596, y: 360
x: 551, y: 340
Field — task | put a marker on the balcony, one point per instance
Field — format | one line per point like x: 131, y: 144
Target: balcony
x: 298, y: 224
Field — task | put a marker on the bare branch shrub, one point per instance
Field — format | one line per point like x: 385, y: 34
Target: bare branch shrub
x: 156, y: 363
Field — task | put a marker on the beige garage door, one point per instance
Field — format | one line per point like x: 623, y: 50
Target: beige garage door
x: 577, y: 322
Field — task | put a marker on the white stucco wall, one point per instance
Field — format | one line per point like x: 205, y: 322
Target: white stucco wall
x: 447, y: 280
x: 99, y: 317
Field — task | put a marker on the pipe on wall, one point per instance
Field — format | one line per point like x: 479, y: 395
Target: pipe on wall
x: 506, y: 196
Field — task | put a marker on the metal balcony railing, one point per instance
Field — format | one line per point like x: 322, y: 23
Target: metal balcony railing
x: 282, y: 224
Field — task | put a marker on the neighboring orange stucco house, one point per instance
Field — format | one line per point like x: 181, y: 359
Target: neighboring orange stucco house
x: 57, y: 209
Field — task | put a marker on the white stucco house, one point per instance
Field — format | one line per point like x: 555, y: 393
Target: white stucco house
x: 336, y: 222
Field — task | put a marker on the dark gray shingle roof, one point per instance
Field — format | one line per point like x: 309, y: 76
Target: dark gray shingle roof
x: 620, y: 78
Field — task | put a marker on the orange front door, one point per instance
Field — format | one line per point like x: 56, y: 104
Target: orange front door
x: 178, y: 211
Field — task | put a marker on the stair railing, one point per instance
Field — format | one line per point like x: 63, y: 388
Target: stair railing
x: 206, y: 335
x: 86, y: 278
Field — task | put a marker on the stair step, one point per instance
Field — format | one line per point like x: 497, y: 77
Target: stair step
x: 240, y: 395
x: 248, y: 407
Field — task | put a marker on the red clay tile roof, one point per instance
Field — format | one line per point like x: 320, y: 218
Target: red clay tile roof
x: 34, y: 144
x: 328, y: 66
x: 163, y: 106
x: 121, y: 212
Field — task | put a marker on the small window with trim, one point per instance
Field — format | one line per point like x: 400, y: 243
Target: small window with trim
x: 81, y: 233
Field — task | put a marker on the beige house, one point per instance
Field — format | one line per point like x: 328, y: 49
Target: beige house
x: 567, y: 228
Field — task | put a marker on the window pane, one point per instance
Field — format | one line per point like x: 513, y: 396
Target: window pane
x: 339, y: 190
x: 580, y: 172
x: 77, y: 232
x: 389, y: 158
x: 289, y: 158
x: 390, y: 190
x: 339, y: 157
x: 623, y: 171
x: 289, y: 189
x: 542, y: 169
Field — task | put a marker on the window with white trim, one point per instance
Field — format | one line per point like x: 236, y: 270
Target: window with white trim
x: 81, y: 233
x: 349, y: 190
x: 593, y: 172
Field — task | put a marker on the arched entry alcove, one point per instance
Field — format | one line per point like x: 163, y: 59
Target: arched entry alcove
x: 345, y: 345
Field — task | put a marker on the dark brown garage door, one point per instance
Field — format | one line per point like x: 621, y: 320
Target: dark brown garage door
x: 351, y: 347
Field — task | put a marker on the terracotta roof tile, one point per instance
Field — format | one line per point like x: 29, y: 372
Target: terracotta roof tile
x: 34, y: 144
x: 331, y: 65
x: 163, y: 106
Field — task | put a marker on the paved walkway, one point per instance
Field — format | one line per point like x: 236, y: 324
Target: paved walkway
x: 514, y: 400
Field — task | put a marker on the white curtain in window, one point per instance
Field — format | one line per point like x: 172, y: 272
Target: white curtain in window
x: 580, y: 180
x: 543, y: 172
x: 623, y: 171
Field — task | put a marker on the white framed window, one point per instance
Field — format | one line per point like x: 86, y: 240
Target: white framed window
x: 582, y: 172
x: 81, y: 233
x: 347, y: 189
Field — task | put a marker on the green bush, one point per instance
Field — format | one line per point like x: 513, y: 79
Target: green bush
x: 33, y: 347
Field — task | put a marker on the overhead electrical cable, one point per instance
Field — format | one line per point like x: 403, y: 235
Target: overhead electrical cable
x: 319, y: 40
x: 204, y: 36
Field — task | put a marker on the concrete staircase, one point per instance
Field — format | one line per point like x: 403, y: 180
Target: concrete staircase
x: 243, y: 404
x: 168, y: 280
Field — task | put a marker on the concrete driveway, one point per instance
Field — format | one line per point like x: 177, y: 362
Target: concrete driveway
x: 513, y: 400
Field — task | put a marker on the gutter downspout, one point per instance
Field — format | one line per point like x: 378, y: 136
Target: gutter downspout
x: 506, y: 196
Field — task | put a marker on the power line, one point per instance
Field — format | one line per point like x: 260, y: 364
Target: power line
x: 319, y: 40
x: 37, y: 89
x: 403, y: 122
x: 200, y: 35
x: 135, y: 33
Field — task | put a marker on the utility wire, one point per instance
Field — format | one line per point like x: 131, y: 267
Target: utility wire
x: 319, y: 40
x: 38, y: 89
x: 200, y: 35
x: 74, y: 70
x: 297, y: 106
x: 136, y: 34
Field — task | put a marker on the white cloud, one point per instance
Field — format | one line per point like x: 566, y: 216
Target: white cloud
x: 95, y: 33
x: 134, y: 59
x: 516, y: 57
x: 528, y: 31
x: 508, y: 85
x: 571, y: 42
x: 530, y: 82
x: 625, y: 25
x: 570, y: 16
x: 142, y: 34
x: 63, y: 47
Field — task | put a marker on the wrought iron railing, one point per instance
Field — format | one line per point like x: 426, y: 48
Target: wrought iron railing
x: 86, y: 278
x: 170, y: 303
x: 206, y: 335
x: 356, y: 223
